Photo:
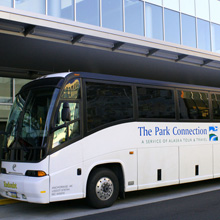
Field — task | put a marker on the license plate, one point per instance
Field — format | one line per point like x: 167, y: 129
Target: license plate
x: 12, y: 194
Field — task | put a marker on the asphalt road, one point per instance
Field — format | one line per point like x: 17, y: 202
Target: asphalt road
x: 205, y: 206
x: 199, y: 201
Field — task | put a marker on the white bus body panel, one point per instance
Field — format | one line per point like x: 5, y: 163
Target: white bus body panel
x: 103, y: 147
x: 18, y: 186
x: 177, y: 149
x: 64, y: 182
x: 192, y: 156
x: 140, y: 155
x: 141, y: 148
x: 216, y: 158
x: 151, y: 160
x: 116, y: 144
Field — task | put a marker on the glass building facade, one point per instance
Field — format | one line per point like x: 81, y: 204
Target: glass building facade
x: 193, y: 23
x: 9, y: 87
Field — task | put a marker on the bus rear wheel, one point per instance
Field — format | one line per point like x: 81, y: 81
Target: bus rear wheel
x: 102, y: 188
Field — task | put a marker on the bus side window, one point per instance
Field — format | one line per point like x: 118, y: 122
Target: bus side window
x: 193, y: 105
x: 216, y: 105
x: 107, y: 103
x: 72, y: 128
x: 155, y: 103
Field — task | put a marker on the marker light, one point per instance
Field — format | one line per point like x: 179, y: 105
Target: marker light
x: 76, y: 74
x: 41, y: 173
x: 35, y: 173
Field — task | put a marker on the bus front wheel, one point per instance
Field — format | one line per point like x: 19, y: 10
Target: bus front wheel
x: 102, y: 188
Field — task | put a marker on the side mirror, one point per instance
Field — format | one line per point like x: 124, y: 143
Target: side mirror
x: 65, y: 116
x: 66, y: 112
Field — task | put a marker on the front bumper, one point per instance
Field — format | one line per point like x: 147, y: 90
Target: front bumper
x: 24, y: 188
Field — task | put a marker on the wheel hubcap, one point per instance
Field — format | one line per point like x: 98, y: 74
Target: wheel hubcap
x: 104, y: 188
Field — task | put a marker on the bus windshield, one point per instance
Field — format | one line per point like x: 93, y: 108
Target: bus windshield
x: 28, y: 125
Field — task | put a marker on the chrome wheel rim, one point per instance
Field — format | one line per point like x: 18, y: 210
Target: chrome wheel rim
x: 104, y: 188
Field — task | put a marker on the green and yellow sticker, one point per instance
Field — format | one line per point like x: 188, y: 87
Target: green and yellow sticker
x: 10, y: 185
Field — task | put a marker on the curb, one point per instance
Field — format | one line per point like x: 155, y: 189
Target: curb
x: 7, y: 201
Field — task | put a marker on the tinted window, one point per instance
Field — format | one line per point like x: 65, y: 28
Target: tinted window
x: 188, y: 30
x: 107, y: 103
x: 72, y: 130
x: 134, y: 17
x: 215, y: 38
x: 7, y: 3
x: 203, y: 34
x: 61, y: 9
x: 187, y: 7
x: 202, y: 9
x: 172, y: 26
x: 172, y: 4
x: 155, y: 103
x: 71, y: 90
x: 154, y: 21
x: 69, y: 101
x: 112, y: 16
x: 32, y: 6
x: 193, y: 105
x: 6, y: 88
x: 87, y: 11
x: 216, y: 106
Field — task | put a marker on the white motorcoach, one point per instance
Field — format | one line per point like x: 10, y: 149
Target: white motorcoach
x: 77, y: 135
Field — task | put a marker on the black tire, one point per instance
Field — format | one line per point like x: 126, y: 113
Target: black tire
x: 102, y: 188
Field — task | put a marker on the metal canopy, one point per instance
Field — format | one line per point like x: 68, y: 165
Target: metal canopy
x: 33, y: 46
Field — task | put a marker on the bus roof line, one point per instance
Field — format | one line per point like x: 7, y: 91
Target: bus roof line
x: 144, y: 81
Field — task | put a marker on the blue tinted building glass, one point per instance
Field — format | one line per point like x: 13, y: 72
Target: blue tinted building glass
x: 38, y: 6
x: 203, y: 33
x: 172, y: 26
x: 215, y: 38
x: 7, y: 3
x: 112, y: 14
x: 188, y: 31
x: 134, y: 17
x: 88, y: 11
x: 61, y: 9
x: 154, y: 21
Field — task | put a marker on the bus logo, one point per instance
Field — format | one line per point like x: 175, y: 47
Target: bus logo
x: 212, y: 135
x: 10, y: 185
x: 13, y: 167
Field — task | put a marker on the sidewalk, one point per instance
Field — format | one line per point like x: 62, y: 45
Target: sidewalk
x: 5, y: 201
